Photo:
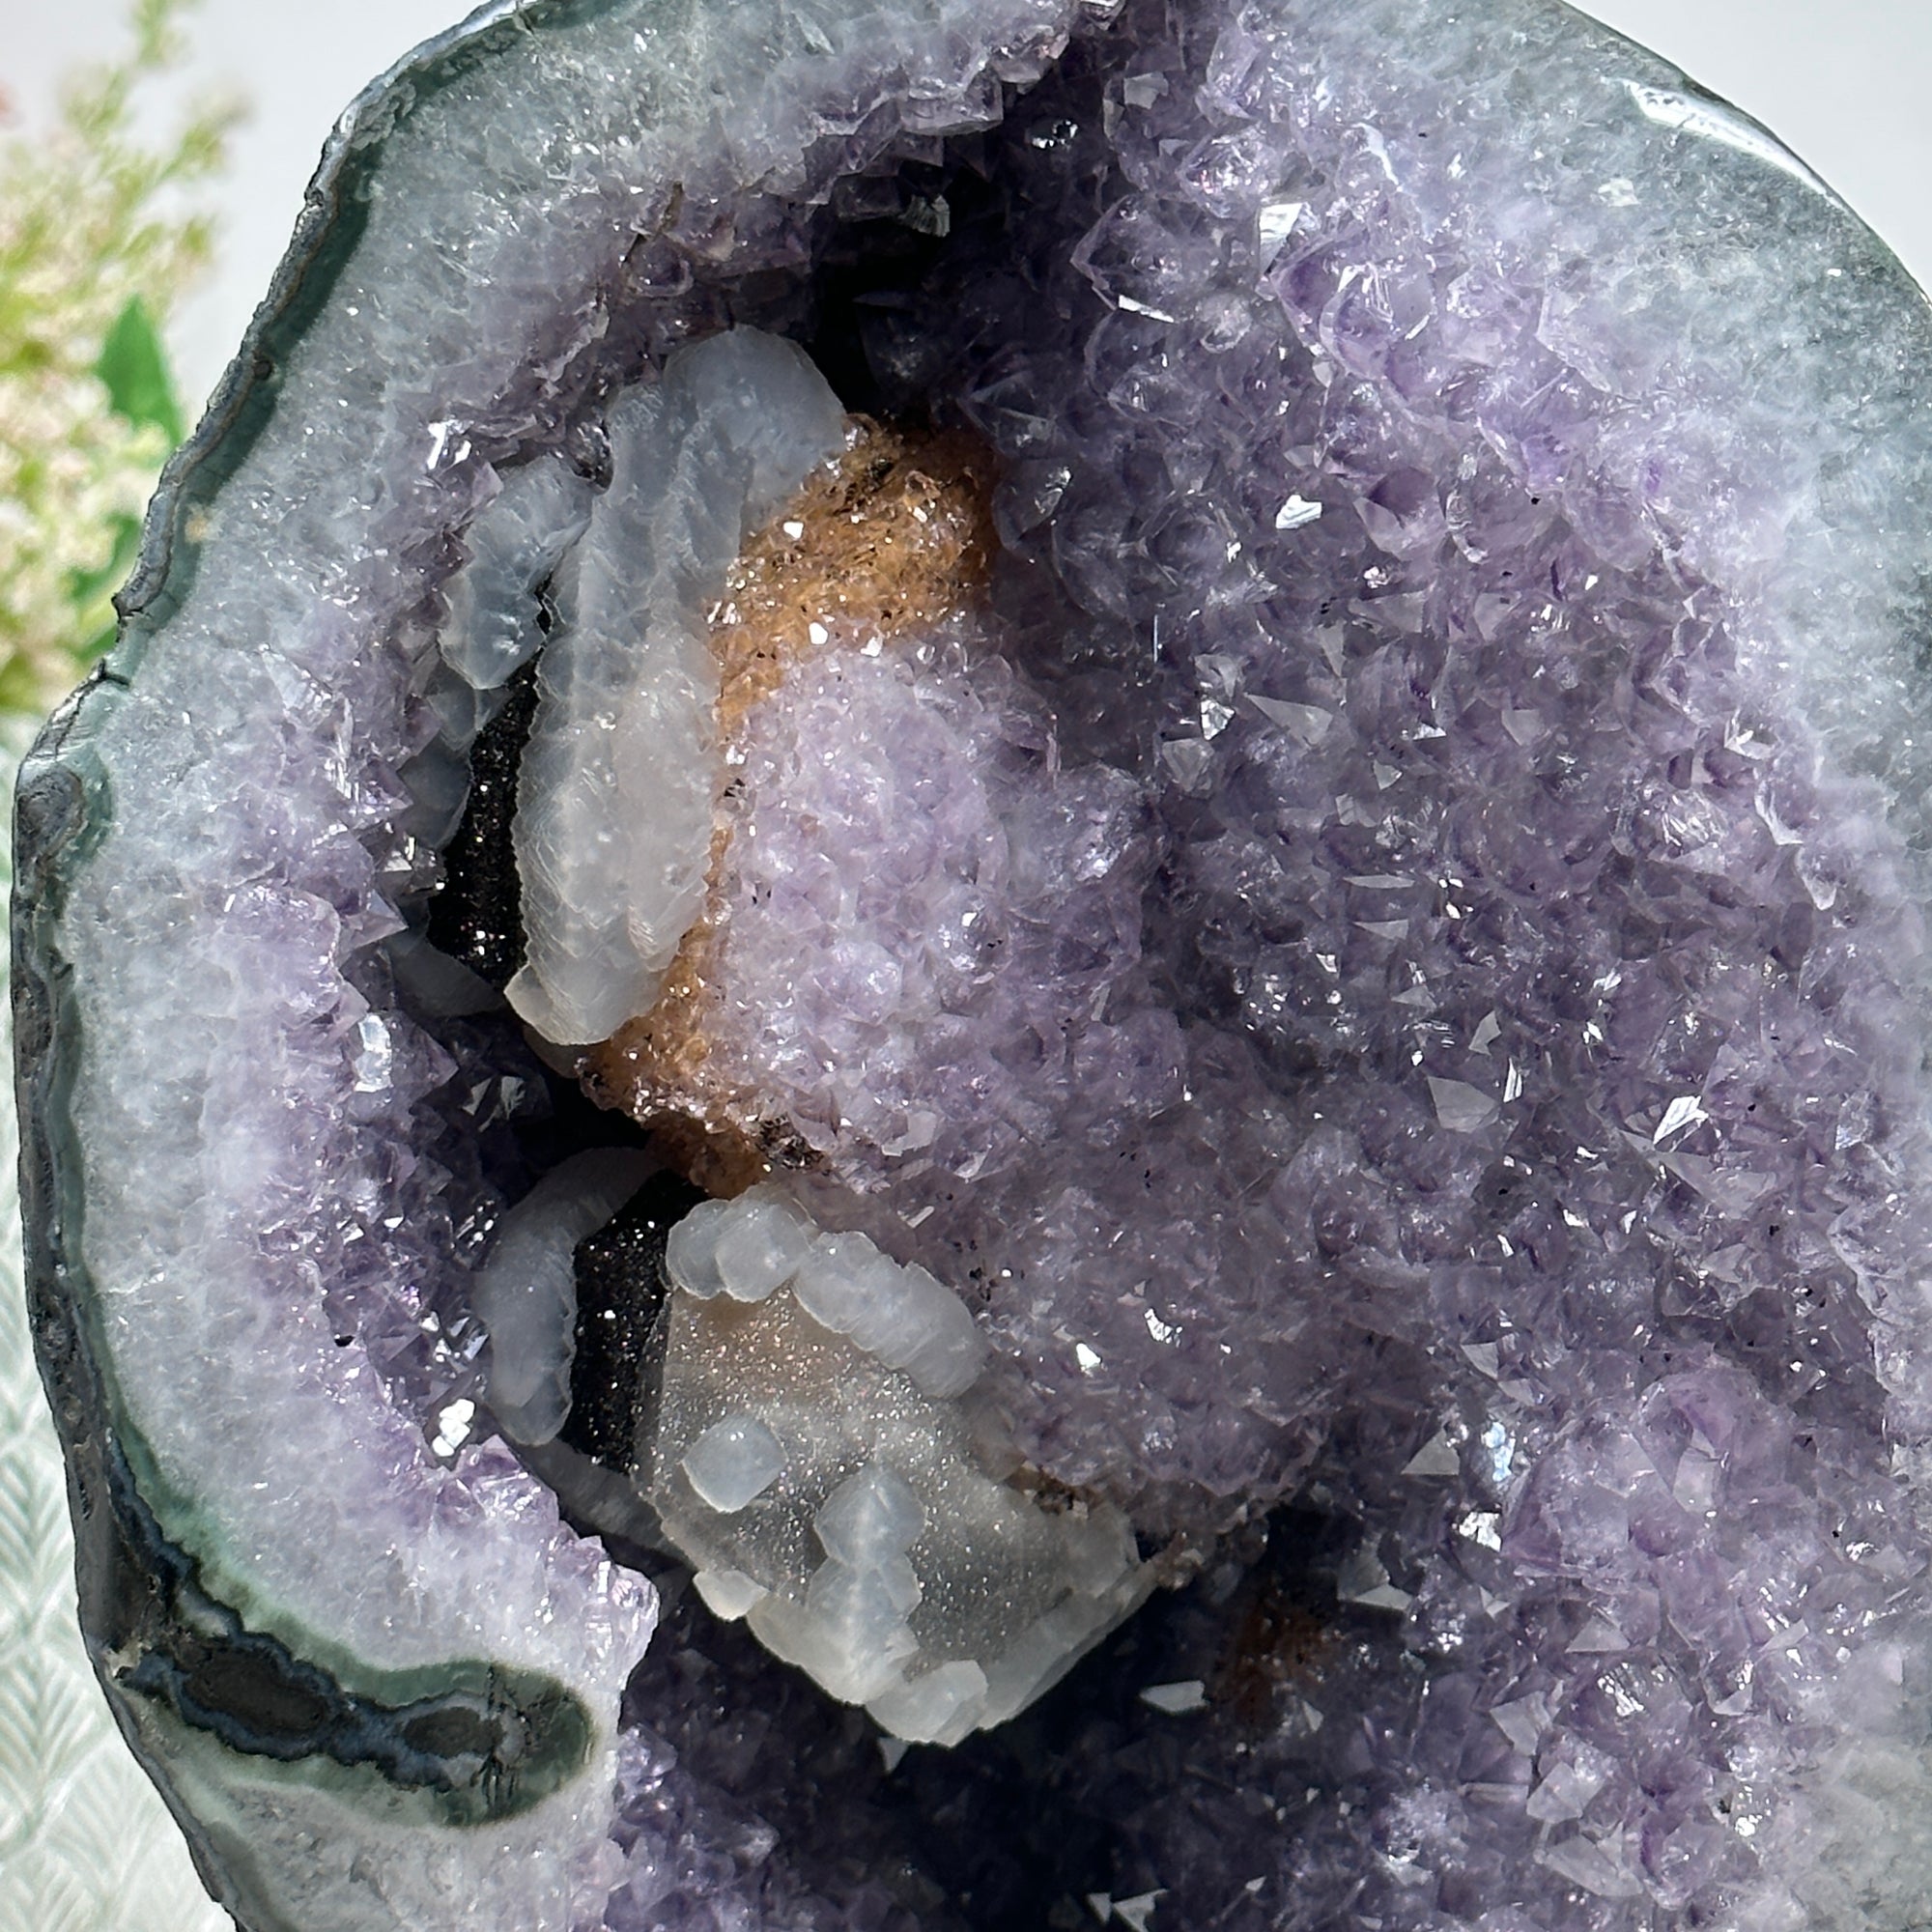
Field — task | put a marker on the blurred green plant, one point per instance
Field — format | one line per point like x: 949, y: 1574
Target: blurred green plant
x: 98, y: 239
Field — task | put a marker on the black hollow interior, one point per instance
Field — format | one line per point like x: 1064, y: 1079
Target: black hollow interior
x: 477, y: 916
x: 620, y: 1292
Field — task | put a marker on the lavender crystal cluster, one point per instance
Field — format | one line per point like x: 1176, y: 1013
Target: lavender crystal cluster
x: 1384, y: 960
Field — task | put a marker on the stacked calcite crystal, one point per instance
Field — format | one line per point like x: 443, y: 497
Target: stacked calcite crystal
x: 989, y: 993
x: 812, y: 1459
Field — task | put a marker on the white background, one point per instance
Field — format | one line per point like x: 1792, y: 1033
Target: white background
x: 1845, y: 82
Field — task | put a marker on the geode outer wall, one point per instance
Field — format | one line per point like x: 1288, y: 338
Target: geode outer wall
x: 402, y: 1714
x: 1536, y: 920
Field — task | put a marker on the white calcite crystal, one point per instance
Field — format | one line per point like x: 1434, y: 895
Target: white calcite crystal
x: 492, y: 630
x: 821, y: 1460
x: 742, y: 1248
x: 734, y: 1461
x: 614, y: 812
x: 526, y: 1291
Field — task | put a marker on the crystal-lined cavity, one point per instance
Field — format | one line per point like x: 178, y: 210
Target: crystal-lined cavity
x: 1082, y: 848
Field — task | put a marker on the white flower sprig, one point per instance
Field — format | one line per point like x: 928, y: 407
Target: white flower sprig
x: 98, y: 239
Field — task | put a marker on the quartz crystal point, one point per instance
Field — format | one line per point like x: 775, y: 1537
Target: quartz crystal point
x: 1278, y: 895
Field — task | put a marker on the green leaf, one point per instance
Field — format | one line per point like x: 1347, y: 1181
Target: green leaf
x: 22, y: 688
x: 135, y: 370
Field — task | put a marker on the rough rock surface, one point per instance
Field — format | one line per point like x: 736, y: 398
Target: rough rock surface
x: 1383, y: 954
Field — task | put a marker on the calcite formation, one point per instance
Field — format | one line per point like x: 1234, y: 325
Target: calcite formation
x: 945, y: 842
x: 887, y: 545
x: 813, y: 1458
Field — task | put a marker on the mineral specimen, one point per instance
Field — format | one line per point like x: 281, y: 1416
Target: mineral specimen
x: 613, y: 828
x: 923, y: 818
x: 812, y: 1459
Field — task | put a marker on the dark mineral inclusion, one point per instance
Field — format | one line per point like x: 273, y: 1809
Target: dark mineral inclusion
x: 1381, y: 958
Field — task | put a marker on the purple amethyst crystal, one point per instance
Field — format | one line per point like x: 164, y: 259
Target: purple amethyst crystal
x: 1360, y: 972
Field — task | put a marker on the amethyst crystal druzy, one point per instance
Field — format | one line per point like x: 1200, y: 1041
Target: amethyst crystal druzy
x: 1318, y: 1029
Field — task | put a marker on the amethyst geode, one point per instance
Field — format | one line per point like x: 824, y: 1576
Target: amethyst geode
x: 1378, y: 952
